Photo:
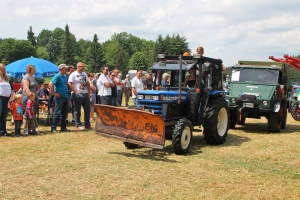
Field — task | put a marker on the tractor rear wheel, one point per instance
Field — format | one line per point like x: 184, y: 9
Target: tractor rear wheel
x: 275, y: 121
x: 216, y: 121
x: 182, y: 136
x: 295, y: 111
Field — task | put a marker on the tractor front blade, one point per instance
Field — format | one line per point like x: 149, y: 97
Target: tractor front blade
x: 133, y: 126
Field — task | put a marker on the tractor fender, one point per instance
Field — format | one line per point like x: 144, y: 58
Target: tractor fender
x: 276, y: 106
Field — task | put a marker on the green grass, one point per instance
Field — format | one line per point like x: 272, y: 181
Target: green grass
x: 252, y: 164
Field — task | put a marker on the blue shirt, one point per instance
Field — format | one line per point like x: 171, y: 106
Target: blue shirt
x: 164, y: 82
x: 60, y: 84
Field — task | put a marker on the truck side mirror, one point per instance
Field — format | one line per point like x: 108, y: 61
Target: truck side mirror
x: 283, y: 80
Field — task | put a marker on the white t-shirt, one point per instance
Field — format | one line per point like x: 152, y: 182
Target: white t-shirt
x: 118, y: 86
x: 79, y: 81
x: 102, y: 89
x: 137, y: 84
x: 5, y: 89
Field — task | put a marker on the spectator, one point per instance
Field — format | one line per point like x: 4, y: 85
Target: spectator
x: 92, y: 95
x: 97, y: 91
x: 122, y: 90
x: 30, y: 113
x: 148, y: 82
x: 136, y: 85
x: 104, y: 84
x: 17, y: 109
x: 80, y: 87
x: 119, y: 85
x: 127, y: 88
x: 5, y: 93
x: 71, y: 69
x: 29, y: 84
x: 114, y: 94
x: 200, y: 50
x: 59, y: 88
x: 192, y: 79
x: 165, y: 79
x: 43, y: 93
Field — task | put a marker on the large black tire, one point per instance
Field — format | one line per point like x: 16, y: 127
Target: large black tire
x: 275, y: 121
x: 284, y: 118
x: 242, y: 121
x: 295, y: 111
x: 130, y: 145
x: 216, y: 121
x: 233, y: 120
x: 182, y: 136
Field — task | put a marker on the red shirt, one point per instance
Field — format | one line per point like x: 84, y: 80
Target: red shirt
x: 29, y: 106
x: 17, y: 111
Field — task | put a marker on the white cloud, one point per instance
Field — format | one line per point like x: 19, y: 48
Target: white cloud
x: 230, y: 30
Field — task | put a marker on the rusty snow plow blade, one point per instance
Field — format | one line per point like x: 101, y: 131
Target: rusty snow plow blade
x: 133, y: 126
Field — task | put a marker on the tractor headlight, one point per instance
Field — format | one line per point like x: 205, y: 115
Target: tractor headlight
x: 233, y: 100
x: 265, y: 102
x: 140, y: 96
x: 155, y: 97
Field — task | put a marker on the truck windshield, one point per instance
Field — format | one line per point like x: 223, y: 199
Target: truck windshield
x: 262, y: 75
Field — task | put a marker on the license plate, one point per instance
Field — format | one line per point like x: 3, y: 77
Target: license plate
x: 249, y: 105
x: 148, y: 96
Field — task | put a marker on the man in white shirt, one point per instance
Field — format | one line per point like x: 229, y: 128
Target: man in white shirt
x: 80, y: 87
x: 137, y: 85
x: 104, y: 84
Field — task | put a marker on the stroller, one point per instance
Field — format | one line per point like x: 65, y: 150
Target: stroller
x: 51, y: 106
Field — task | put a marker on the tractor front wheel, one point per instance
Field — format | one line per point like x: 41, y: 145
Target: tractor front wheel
x: 182, y: 136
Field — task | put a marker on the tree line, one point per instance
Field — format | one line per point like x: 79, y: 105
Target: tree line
x: 123, y: 50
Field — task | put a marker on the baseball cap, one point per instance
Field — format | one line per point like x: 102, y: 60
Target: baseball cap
x: 62, y: 66
x: 127, y: 75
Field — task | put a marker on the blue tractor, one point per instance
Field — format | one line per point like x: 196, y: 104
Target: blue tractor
x: 175, y: 110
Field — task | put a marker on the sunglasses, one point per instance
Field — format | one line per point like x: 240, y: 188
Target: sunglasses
x: 113, y: 75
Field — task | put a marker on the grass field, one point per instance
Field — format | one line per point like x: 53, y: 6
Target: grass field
x: 252, y: 164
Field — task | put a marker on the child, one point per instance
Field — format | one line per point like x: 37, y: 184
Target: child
x: 17, y: 109
x: 30, y: 114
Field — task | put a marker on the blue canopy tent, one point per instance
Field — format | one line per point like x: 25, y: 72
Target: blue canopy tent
x: 44, y: 68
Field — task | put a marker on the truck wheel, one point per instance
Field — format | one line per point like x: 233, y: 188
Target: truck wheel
x: 216, y: 121
x: 284, y: 117
x: 233, y: 120
x: 295, y: 111
x: 182, y: 136
x: 130, y: 145
x: 275, y: 121
x: 242, y: 121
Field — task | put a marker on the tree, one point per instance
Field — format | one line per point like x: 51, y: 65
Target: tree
x: 81, y: 47
x: 41, y: 52
x: 54, y: 45
x: 138, y: 61
x: 12, y: 50
x: 93, y: 56
x: 67, y: 50
x: 30, y: 36
x: 171, y: 45
x: 115, y: 56
x: 43, y: 38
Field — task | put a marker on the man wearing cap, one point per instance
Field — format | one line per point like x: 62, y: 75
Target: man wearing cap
x: 148, y: 82
x: 127, y: 88
x: 59, y: 88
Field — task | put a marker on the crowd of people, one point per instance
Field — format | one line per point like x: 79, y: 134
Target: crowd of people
x: 71, y: 90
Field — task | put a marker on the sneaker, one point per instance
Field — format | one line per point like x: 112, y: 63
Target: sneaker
x: 55, y: 131
x: 65, y: 130
x: 25, y: 131
x: 37, y: 131
x: 80, y: 128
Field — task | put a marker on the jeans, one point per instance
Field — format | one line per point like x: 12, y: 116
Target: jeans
x: 135, y: 101
x: 127, y: 94
x: 119, y: 97
x: 106, y: 100
x: 18, y: 124
x: 81, y: 99
x: 114, y: 101
x: 3, y: 114
x: 60, y: 110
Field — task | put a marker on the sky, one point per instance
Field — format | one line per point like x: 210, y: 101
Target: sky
x: 231, y: 30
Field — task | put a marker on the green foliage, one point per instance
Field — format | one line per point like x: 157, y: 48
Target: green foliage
x: 115, y: 56
x: 54, y: 45
x: 67, y: 48
x: 93, y: 56
x: 138, y: 61
x: 171, y: 45
x: 81, y: 47
x: 41, y: 52
x: 44, y: 37
x: 30, y: 36
x: 12, y: 50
